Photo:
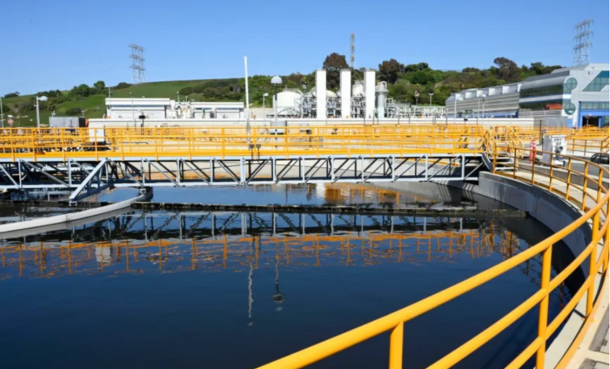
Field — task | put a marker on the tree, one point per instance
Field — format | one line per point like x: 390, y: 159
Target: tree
x: 80, y: 91
x: 12, y: 94
x: 421, y: 78
x: 507, y: 69
x: 186, y: 91
x: 389, y: 69
x: 99, y: 87
x: 333, y: 65
x: 121, y: 85
x: 73, y: 111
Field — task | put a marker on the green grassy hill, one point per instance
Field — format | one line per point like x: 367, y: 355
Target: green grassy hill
x: 94, y: 105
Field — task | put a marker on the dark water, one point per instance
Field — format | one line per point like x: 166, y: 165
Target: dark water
x: 231, y: 290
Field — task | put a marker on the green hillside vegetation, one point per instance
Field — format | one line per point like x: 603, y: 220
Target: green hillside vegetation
x: 405, y: 83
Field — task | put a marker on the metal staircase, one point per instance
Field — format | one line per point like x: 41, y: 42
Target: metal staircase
x: 498, y: 155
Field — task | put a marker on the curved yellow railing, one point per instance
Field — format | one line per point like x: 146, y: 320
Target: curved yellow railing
x: 584, y: 189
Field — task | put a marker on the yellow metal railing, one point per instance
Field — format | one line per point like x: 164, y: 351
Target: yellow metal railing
x: 592, y: 197
x: 34, y: 144
x: 97, y: 143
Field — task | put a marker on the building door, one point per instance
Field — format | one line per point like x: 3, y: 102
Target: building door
x: 590, y: 121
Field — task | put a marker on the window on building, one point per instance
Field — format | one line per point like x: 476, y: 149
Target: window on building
x: 542, y: 91
x: 568, y: 107
x: 598, y: 82
x: 569, y: 85
x: 542, y: 105
x: 595, y: 105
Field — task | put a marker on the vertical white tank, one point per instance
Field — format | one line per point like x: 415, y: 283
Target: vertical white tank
x: 382, y: 95
x: 321, y: 94
x: 346, y: 93
x: 369, y: 93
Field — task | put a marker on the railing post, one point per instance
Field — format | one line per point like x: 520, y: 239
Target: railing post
x: 515, y: 163
x: 533, y: 167
x: 551, y: 167
x: 592, y: 262
x: 569, y: 178
x: 543, y: 316
x: 584, y: 186
x: 585, y: 152
x: 495, y: 152
x: 222, y: 139
x: 396, y: 345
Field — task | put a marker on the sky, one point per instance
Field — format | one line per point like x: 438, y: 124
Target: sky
x: 59, y: 44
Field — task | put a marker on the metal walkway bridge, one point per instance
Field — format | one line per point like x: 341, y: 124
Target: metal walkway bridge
x: 89, y: 160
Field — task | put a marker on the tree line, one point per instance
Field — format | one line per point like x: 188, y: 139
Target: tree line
x: 407, y: 83
x: 56, y: 97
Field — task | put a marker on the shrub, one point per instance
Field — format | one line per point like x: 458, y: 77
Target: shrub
x: 186, y: 91
x: 121, y: 85
x: 73, y: 111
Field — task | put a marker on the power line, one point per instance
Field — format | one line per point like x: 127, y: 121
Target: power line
x: 352, y: 58
x: 581, y: 42
x: 137, y: 64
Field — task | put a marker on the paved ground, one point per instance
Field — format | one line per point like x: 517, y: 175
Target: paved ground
x: 593, y: 350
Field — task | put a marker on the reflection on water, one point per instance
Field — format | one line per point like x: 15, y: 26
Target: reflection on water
x: 290, y: 194
x: 164, y: 242
x: 237, y: 290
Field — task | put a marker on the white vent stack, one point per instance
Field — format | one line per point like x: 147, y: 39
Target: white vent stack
x: 321, y: 94
x: 369, y: 93
x: 346, y: 93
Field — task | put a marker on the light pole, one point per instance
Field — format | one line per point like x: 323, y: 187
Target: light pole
x: 264, y: 114
x: 431, y: 93
x: 39, y: 98
x: 275, y: 81
x: 1, y: 112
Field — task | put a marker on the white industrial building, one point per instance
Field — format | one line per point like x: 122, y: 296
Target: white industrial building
x: 573, y: 97
x: 360, y: 99
x: 165, y: 108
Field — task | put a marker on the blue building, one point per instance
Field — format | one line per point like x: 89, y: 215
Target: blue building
x: 573, y: 97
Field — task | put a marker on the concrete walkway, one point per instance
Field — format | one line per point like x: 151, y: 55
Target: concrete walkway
x: 592, y: 352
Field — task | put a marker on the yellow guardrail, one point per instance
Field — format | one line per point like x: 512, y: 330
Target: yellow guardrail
x: 595, y: 215
x: 224, y: 142
x: 96, y: 143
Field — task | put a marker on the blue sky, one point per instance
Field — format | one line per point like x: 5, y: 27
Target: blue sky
x: 59, y: 44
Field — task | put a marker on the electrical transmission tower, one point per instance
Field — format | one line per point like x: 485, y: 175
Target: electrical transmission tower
x: 352, y: 58
x: 137, y: 64
x: 581, y: 42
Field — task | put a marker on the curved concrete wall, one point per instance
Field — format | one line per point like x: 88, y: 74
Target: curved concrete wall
x: 36, y: 224
x: 549, y: 209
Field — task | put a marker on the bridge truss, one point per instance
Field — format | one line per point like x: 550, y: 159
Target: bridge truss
x: 86, y: 177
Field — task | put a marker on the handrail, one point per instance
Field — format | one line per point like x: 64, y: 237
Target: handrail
x: 594, y: 215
